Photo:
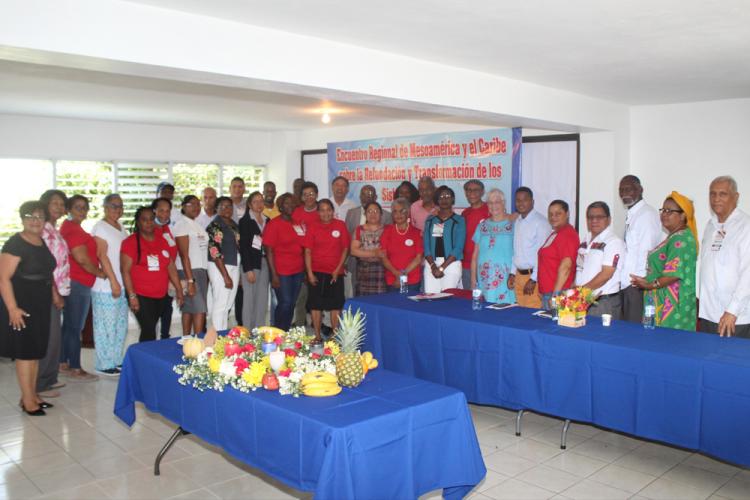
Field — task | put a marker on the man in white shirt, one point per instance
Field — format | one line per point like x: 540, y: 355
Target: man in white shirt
x: 341, y: 204
x: 599, y: 261
x: 643, y: 232
x: 532, y: 228
x: 239, y: 203
x: 725, y: 264
x: 208, y: 211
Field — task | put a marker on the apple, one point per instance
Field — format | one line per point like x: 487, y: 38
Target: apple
x: 270, y: 382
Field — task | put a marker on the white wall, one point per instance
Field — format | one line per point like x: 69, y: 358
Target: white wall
x: 73, y: 139
x: 684, y: 146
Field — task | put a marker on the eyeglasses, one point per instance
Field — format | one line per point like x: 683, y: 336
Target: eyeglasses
x: 670, y: 211
x: 115, y: 206
x: 36, y: 218
x: 596, y: 217
x: 445, y: 196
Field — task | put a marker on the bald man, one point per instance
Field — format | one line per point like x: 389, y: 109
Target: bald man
x: 208, y: 212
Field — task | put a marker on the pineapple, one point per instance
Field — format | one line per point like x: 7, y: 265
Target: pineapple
x: 350, y: 335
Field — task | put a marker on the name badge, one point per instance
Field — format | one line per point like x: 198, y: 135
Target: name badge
x: 335, y: 233
x: 257, y: 242
x: 299, y: 230
x: 437, y: 231
x: 152, y: 261
x: 718, y: 240
x: 409, y: 242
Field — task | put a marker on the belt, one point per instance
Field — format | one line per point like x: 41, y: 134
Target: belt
x: 525, y: 271
x: 35, y: 277
x: 609, y: 295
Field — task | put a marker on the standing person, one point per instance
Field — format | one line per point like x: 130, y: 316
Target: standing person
x: 192, y: 266
x: 47, y: 382
x: 282, y: 239
x: 223, y: 262
x: 365, y: 248
x: 237, y: 192
x: 305, y: 216
x: 27, y: 290
x: 532, y: 228
x: 643, y: 231
x: 110, y: 306
x: 147, y: 269
x: 297, y: 191
x: 326, y: 246
x: 671, y: 266
x: 355, y: 217
x: 557, y: 255
x: 425, y: 206
x: 492, y: 256
x: 599, y: 261
x: 341, y: 204
x: 84, y: 269
x: 163, y: 209
x: 408, y: 191
x: 166, y: 190
x: 444, y: 235
x: 402, y: 249
x: 254, y: 266
x: 473, y: 215
x: 725, y: 264
x: 208, y: 212
x: 270, y: 210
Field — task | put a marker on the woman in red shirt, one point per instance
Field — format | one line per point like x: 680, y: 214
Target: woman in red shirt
x: 558, y: 254
x: 163, y: 211
x: 282, y: 239
x: 326, y: 248
x: 147, y: 268
x: 402, y: 249
x: 84, y: 269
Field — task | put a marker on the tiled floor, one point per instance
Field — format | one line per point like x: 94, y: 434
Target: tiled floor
x: 81, y: 451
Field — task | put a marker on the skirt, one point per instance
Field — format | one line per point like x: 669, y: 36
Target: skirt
x: 34, y: 297
x: 370, y: 278
x: 196, y: 304
x: 326, y: 296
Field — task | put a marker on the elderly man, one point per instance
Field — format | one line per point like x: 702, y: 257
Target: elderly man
x: 532, y: 229
x: 341, y: 204
x: 642, y: 233
x: 208, y: 211
x: 425, y: 206
x: 725, y: 264
x: 599, y: 261
x: 354, y: 218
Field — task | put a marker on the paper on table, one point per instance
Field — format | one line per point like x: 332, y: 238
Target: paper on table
x: 543, y: 314
x: 501, y: 306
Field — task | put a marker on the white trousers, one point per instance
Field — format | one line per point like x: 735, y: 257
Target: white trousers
x: 451, y: 277
x: 221, y: 298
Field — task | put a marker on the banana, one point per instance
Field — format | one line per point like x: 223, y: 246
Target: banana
x: 373, y: 364
x: 367, y: 355
x: 312, y: 377
x: 320, y: 393
x: 319, y: 386
x: 271, y: 331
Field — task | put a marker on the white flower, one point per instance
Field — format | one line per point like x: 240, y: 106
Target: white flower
x: 227, y: 368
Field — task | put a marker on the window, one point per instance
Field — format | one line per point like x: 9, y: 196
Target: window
x: 253, y: 177
x: 136, y: 184
x: 88, y: 178
x: 29, y: 179
x: 192, y: 178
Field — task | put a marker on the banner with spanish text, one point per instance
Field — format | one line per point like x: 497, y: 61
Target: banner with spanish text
x: 492, y: 156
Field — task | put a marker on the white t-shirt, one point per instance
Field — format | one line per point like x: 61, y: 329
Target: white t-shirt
x: 114, y: 238
x: 197, y: 242
x: 605, y: 250
x: 339, y: 211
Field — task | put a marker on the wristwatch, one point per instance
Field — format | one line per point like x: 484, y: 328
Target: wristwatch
x: 132, y: 296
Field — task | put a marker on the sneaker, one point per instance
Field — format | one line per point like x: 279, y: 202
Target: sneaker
x: 109, y: 372
x: 81, y: 375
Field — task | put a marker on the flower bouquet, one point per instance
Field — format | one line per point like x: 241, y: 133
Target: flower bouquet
x: 238, y: 359
x: 572, y: 305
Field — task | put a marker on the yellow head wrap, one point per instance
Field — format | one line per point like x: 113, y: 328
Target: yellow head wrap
x: 687, y: 206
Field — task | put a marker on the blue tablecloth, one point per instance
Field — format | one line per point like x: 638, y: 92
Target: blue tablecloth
x: 687, y: 389
x: 394, y: 436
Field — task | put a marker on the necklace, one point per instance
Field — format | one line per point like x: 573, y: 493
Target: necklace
x: 405, y: 230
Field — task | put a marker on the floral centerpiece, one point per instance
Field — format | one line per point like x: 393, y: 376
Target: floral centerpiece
x: 572, y: 306
x: 238, y: 359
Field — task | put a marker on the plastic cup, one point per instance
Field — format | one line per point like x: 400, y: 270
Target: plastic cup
x: 606, y: 319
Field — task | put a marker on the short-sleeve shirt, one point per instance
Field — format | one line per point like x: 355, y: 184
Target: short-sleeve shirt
x: 304, y: 218
x: 36, y: 261
x: 166, y: 233
x: 56, y: 244
x: 150, y: 273
x: 557, y: 246
x: 401, y: 248
x: 419, y: 214
x: 76, y: 236
x: 472, y: 216
x: 114, y: 238
x: 593, y: 253
x: 285, y: 240
x: 197, y: 242
x: 223, y: 241
x: 326, y: 243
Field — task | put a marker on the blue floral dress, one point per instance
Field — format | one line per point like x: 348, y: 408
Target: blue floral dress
x: 494, y: 262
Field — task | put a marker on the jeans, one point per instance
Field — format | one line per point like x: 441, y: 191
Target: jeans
x: 286, y: 296
x: 74, y: 317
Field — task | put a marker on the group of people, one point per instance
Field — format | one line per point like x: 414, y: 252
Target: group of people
x: 217, y: 252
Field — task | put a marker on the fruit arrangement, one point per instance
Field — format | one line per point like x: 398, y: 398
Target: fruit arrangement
x: 320, y: 384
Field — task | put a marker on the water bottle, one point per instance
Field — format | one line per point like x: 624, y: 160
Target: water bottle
x: 476, y: 299
x: 649, y: 312
x: 403, y: 289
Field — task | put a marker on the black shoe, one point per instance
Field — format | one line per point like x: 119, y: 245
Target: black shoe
x: 326, y: 331
x: 44, y: 405
x: 36, y: 413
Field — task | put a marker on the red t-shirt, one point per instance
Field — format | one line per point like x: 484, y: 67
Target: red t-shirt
x: 76, y: 236
x: 326, y: 242
x: 149, y: 274
x: 305, y: 218
x: 401, y: 250
x: 166, y: 233
x: 280, y: 235
x: 472, y: 216
x: 553, y: 251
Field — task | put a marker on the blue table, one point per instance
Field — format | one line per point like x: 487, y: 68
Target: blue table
x: 392, y: 437
x: 687, y: 389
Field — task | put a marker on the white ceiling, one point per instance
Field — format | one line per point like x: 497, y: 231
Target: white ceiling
x: 631, y: 51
